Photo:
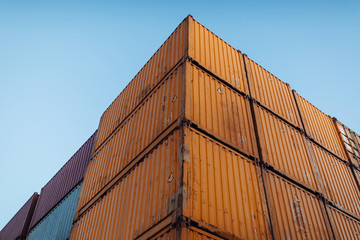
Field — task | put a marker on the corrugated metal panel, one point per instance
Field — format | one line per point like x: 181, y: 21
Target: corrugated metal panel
x: 64, y: 180
x: 18, y: 226
x: 165, y: 58
x: 143, y: 197
x: 284, y: 148
x: 320, y: 127
x: 345, y: 227
x: 217, y: 56
x: 219, y: 110
x: 155, y: 114
x: 222, y: 189
x: 339, y: 183
x: 295, y: 213
x: 357, y: 176
x: 57, y: 224
x: 184, y: 232
x: 351, y: 142
x: 271, y: 92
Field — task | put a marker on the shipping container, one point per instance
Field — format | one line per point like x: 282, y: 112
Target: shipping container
x: 17, y: 228
x: 189, y: 40
x: 284, y: 148
x: 56, y: 225
x: 183, y: 232
x: 320, y: 127
x: 295, y: 213
x: 271, y: 92
x: 144, y: 196
x: 357, y: 176
x: 223, y: 192
x: 338, y: 181
x: 344, y: 226
x: 64, y: 180
x: 351, y: 142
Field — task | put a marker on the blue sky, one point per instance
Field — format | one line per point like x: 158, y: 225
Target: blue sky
x: 62, y: 63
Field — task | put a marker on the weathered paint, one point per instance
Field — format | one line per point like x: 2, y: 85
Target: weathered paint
x: 184, y: 232
x: 344, y: 226
x: 295, y: 213
x: 223, y: 192
x: 351, y: 142
x: 144, y: 196
x: 338, y: 181
x: 219, y: 110
x: 284, y: 148
x: 57, y: 223
x: 320, y: 127
x: 18, y: 226
x: 64, y: 181
x: 271, y: 92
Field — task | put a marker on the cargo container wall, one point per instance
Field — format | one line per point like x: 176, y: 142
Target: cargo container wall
x: 223, y: 193
x: 271, y: 92
x: 64, y: 180
x: 184, y: 232
x: 351, y: 143
x: 295, y: 213
x: 144, y: 196
x: 320, y: 127
x: 344, y: 226
x: 284, y: 148
x: 17, y: 227
x: 58, y: 222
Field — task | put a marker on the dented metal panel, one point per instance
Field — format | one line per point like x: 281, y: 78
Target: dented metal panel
x: 222, y: 190
x: 351, y: 143
x: 216, y: 55
x: 320, y: 127
x: 295, y: 213
x: 344, y: 226
x: 219, y: 110
x: 143, y: 126
x: 284, y: 148
x: 144, y: 196
x: 271, y: 92
x: 338, y: 181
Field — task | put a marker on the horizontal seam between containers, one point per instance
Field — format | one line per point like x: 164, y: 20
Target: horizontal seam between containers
x: 342, y: 210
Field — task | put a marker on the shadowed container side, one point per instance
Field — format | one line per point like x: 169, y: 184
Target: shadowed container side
x: 344, y: 226
x: 351, y: 142
x: 223, y: 193
x: 57, y: 223
x: 183, y: 233
x: 284, y: 148
x: 320, y: 127
x: 17, y: 227
x: 295, y: 213
x: 271, y: 92
x: 144, y: 195
x: 339, y: 183
x: 64, y: 180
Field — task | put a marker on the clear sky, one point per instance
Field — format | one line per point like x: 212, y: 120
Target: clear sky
x: 63, y: 62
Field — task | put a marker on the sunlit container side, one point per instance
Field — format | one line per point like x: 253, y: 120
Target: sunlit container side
x: 284, y: 148
x: 64, y: 180
x: 165, y: 58
x: 17, y: 228
x: 143, y: 197
x: 184, y: 233
x: 320, y: 127
x: 295, y: 213
x: 223, y: 192
x: 219, y: 110
x: 58, y: 222
x: 216, y: 55
x: 271, y: 92
x: 344, y: 226
x: 351, y: 143
x: 159, y: 111
x: 338, y: 181
x: 357, y: 176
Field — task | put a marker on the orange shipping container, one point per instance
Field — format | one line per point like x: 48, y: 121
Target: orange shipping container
x: 190, y: 39
x: 344, y: 226
x: 320, y: 127
x: 284, y: 148
x: 295, y: 213
x: 338, y: 181
x: 351, y: 143
x: 271, y: 92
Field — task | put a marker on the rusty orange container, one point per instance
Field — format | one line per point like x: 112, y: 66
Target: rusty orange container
x: 295, y: 213
x: 271, y: 92
x: 344, y: 226
x: 351, y: 141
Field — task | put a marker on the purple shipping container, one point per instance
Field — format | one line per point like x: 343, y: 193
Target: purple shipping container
x: 18, y: 226
x: 64, y: 181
